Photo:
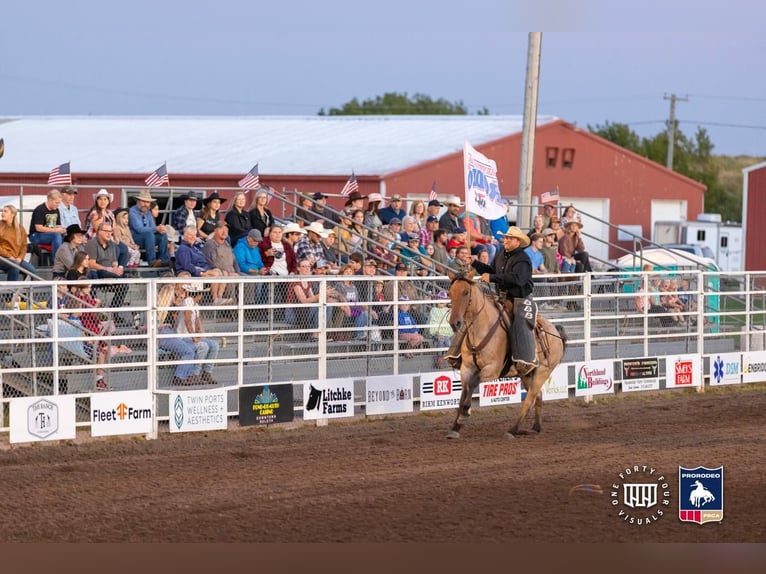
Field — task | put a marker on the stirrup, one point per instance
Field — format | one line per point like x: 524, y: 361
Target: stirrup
x: 524, y: 368
x: 454, y: 361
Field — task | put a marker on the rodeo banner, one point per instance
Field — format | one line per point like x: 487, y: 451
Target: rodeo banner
x: 482, y: 192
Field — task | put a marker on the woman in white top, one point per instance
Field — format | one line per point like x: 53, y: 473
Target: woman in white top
x: 190, y: 324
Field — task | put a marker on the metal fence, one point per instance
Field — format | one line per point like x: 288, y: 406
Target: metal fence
x: 51, y: 347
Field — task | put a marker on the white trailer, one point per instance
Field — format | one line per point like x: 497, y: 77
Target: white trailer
x: 724, y: 238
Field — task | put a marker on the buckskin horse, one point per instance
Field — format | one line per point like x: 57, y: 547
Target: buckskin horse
x: 486, y: 350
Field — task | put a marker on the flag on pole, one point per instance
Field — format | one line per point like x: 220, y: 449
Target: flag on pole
x: 251, y: 179
x: 551, y: 196
x: 351, y: 185
x: 432, y: 195
x: 2, y: 147
x: 482, y: 191
x: 60, y: 175
x: 158, y: 177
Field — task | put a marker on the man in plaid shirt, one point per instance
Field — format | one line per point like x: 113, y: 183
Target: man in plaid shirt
x: 310, y: 245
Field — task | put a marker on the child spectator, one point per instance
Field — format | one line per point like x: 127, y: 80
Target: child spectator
x: 408, y: 332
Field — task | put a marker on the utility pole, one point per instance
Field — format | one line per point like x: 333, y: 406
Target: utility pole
x: 672, y: 125
x: 524, y: 216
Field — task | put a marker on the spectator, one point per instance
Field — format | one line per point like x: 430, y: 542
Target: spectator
x: 356, y: 260
x: 412, y: 250
x: 322, y: 211
x: 349, y: 294
x: 186, y: 214
x: 394, y: 210
x: 68, y: 213
x: 457, y: 239
x: 357, y: 241
x: 260, y: 215
x: 45, y: 227
x: 371, y: 216
x: 572, y: 249
x: 249, y: 260
x: 355, y: 201
x: 219, y: 255
x: 330, y: 251
x: 277, y: 253
x: 570, y: 214
x: 303, y: 213
x: 669, y: 299
x: 451, y: 218
x: 549, y: 210
x: 309, y: 246
x: 462, y: 261
x: 299, y: 293
x: 405, y: 287
x: 382, y: 312
x: 209, y: 215
x: 555, y: 224
x: 478, y: 229
x: 80, y: 267
x: 168, y: 230
x: 438, y: 321
x: 440, y: 250
x: 74, y: 241
x: 13, y: 244
x: 124, y: 237
x: 549, y: 251
x: 104, y: 264
x: 483, y: 256
x: 145, y: 232
x: 99, y: 213
x: 395, y: 227
x: 537, y: 226
x: 535, y: 254
x: 171, y: 295
x: 433, y: 208
x: 418, y: 211
x: 238, y: 218
x: 408, y: 332
x: 427, y: 230
x: 191, y: 258
x: 365, y: 288
x: 189, y: 325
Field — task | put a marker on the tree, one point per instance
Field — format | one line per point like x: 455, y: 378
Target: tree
x: 392, y: 103
x: 620, y: 134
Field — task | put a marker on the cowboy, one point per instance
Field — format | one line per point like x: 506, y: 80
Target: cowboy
x: 146, y: 233
x: 511, y: 273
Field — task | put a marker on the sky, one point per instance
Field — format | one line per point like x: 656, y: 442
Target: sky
x: 601, y: 61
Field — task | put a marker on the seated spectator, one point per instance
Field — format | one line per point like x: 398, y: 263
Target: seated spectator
x: 572, y: 248
x: 248, y: 255
x: 549, y: 211
x: 462, y: 261
x: 538, y: 224
x: 172, y: 295
x: 189, y: 326
x: 687, y: 297
x: 393, y: 211
x: 80, y: 267
x: 260, y: 215
x: 570, y: 214
x: 104, y: 264
x: 209, y: 215
x: 408, y: 332
x: 550, y: 253
x: 450, y: 220
x: 190, y: 258
x: 371, y: 217
x: 45, y: 226
x: 555, y: 225
x: 68, y: 212
x: 309, y: 246
x: 395, y: 229
x: 95, y: 325
x: 238, y: 218
x: 382, y: 312
x: 649, y: 300
x: 292, y: 233
x: 74, y: 241
x: 412, y: 251
x: 349, y: 294
x: 146, y: 233
x: 483, y: 256
x: 277, y: 253
x: 330, y: 251
x: 323, y: 211
x: 186, y: 214
x: 535, y: 254
x: 13, y: 245
x: 219, y: 254
x: 99, y: 213
x: 481, y: 235
x: 406, y: 287
x: 669, y: 299
x: 438, y: 321
x: 301, y: 310
x: 457, y: 239
x: 303, y: 213
x: 124, y: 238
x: 168, y: 230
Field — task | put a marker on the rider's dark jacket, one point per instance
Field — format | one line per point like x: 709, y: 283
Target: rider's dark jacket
x: 511, y: 272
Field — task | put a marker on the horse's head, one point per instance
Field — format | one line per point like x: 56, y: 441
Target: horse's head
x: 460, y: 297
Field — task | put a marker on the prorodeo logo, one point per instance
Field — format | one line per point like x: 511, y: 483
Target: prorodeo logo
x: 641, y: 496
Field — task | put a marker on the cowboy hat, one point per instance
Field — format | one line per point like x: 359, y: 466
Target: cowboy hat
x: 374, y: 197
x: 514, y: 231
x: 293, y: 228
x: 194, y: 287
x: 73, y: 230
x: 453, y: 200
x: 143, y: 195
x: 211, y: 197
x: 190, y: 195
x: 104, y: 193
x: 573, y: 222
x: 316, y: 227
x: 354, y: 196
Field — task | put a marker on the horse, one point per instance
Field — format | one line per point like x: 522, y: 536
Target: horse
x: 485, y: 349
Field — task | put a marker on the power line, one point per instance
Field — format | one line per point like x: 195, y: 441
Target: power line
x: 723, y: 125
x: 736, y: 98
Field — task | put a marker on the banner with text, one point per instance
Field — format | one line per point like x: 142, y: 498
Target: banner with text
x: 125, y: 412
x: 34, y: 419
x: 266, y: 404
x: 389, y: 394
x: 197, y: 411
x: 330, y: 399
x: 594, y: 378
x: 683, y: 371
x: 438, y: 390
x: 754, y: 367
x: 725, y: 369
x: 482, y: 191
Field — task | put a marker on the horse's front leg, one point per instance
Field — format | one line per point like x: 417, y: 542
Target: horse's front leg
x: 469, y: 380
x: 533, y: 384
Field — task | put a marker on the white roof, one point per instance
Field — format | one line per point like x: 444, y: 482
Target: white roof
x: 659, y: 256
x: 281, y: 145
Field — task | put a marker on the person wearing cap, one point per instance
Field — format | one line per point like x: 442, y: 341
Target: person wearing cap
x: 330, y: 252
x: 45, y: 226
x: 146, y: 233
x: 260, y: 215
x: 433, y: 208
x: 303, y: 213
x: 412, y: 250
x: 238, y: 218
x: 426, y: 232
x: 186, y: 214
x: 575, y: 259
x: 74, y: 241
x: 122, y: 236
x: 511, y: 272
x: 451, y: 218
x: 549, y: 251
x: 395, y: 227
x: 355, y: 201
x: 189, y: 326
x: 13, y: 244
x: 392, y: 210
x: 219, y: 254
x: 323, y: 211
x: 549, y: 210
x: 209, y: 215
x: 69, y: 214
x: 248, y: 255
x: 371, y: 215
x: 190, y: 258
x: 99, y: 213
x: 309, y: 246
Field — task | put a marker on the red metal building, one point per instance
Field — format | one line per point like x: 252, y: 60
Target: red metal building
x: 753, y: 210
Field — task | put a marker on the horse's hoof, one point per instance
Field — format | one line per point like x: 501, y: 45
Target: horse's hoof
x: 509, y: 436
x: 453, y: 434
x: 537, y: 428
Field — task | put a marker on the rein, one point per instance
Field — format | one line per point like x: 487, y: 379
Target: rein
x: 476, y: 349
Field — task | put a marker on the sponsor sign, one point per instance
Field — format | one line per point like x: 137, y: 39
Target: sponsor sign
x: 330, y: 399
x: 683, y: 371
x: 594, y: 378
x: 125, y: 412
x: 754, y: 367
x: 388, y: 394
x: 557, y: 385
x: 197, y: 411
x: 700, y: 494
x: 500, y: 392
x: 640, y: 374
x: 265, y: 404
x: 439, y: 390
x: 640, y: 495
x: 35, y: 419
x: 725, y: 369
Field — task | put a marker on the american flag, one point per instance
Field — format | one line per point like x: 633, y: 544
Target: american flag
x: 432, y: 195
x: 60, y: 175
x: 251, y: 180
x: 351, y: 186
x: 551, y: 196
x: 158, y: 177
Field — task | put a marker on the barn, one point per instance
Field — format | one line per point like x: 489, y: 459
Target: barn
x: 403, y: 155
x: 753, y: 208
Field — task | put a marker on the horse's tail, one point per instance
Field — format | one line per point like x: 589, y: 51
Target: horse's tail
x: 563, y: 336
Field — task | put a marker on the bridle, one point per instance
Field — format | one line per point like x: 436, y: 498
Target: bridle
x: 476, y: 349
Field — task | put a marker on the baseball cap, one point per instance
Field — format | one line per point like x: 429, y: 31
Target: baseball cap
x: 431, y: 218
x: 401, y: 267
x: 413, y: 237
x: 434, y: 203
x: 404, y: 298
x: 548, y: 231
x: 396, y: 197
x: 319, y: 195
x: 459, y: 230
x: 255, y: 235
x: 395, y: 221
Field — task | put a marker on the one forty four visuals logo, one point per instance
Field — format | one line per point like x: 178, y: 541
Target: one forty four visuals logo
x: 645, y: 494
x: 700, y: 494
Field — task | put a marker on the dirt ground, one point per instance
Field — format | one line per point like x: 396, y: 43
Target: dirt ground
x: 397, y: 479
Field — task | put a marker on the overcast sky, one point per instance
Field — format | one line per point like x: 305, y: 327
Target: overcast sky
x: 611, y: 61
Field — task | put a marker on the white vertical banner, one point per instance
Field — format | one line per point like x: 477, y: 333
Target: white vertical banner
x: 35, y: 419
x: 482, y: 191
x: 683, y: 371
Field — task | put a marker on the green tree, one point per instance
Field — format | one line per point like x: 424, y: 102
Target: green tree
x: 392, y: 103
x: 620, y: 134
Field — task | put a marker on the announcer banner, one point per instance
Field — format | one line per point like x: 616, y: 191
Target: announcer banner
x: 439, y: 390
x: 754, y: 367
x: 594, y: 378
x: 330, y: 399
x: 266, y: 404
x: 389, y: 394
x: 725, y: 369
x: 34, y: 419
x: 197, y: 411
x: 125, y: 412
x: 500, y: 392
x: 683, y: 371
